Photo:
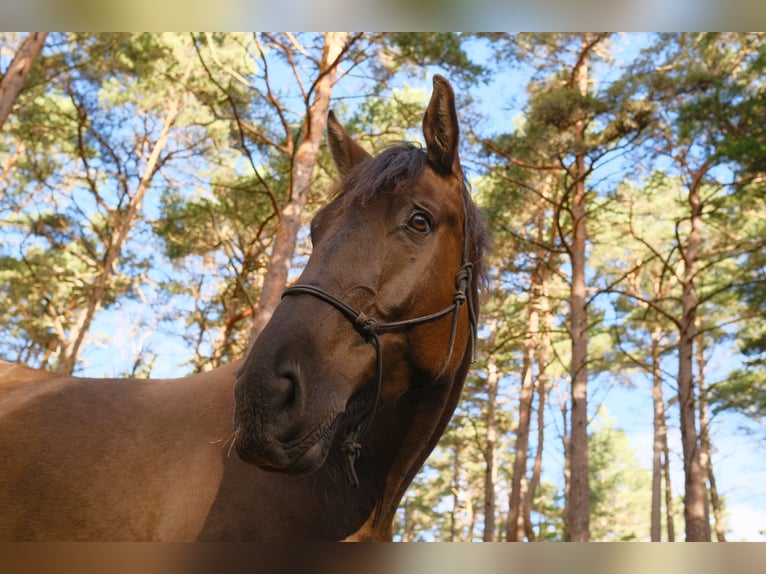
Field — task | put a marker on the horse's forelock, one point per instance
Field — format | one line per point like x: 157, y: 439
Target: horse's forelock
x: 398, y: 165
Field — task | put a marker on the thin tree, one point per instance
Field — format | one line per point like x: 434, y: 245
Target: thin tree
x: 125, y: 219
x: 706, y: 448
x: 490, y: 447
x: 316, y: 98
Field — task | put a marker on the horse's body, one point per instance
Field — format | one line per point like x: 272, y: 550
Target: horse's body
x: 334, y: 413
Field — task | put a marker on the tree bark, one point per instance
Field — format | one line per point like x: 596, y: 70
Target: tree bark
x: 515, y: 529
x: 408, y: 522
x: 490, y: 472
x: 13, y: 80
x: 578, y: 514
x: 669, y: 504
x: 542, y: 393
x: 565, y: 439
x: 695, y: 508
x: 470, y: 516
x: 706, y: 447
x: 305, y: 158
x: 660, y: 437
x: 455, y: 528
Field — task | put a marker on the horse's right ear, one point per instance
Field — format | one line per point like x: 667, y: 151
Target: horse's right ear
x: 345, y: 152
x: 440, y: 128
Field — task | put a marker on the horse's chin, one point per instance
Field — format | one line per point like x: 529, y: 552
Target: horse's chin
x: 273, y: 456
x: 311, y: 460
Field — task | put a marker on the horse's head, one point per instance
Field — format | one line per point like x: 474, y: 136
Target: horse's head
x: 383, y: 308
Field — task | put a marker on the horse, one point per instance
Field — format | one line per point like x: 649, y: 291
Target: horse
x: 335, y: 406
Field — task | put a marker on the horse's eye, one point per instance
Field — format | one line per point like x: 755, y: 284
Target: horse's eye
x: 419, y: 223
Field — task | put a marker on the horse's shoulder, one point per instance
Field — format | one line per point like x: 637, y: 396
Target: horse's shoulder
x: 21, y: 387
x: 12, y: 374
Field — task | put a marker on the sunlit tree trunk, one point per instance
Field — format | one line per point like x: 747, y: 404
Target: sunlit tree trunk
x: 660, y: 436
x: 705, y: 445
x: 670, y: 520
x: 565, y: 440
x: 490, y: 472
x: 305, y: 159
x: 12, y: 81
x: 695, y: 494
x: 515, y: 526
x: 577, y: 514
x: 408, y: 522
x: 455, y: 528
x: 542, y: 394
x: 470, y: 516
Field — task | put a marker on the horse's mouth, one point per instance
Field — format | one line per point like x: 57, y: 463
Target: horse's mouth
x: 300, y: 455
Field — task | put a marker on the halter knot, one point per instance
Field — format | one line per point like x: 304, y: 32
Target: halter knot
x: 459, y: 298
x: 463, y: 276
x: 352, y: 449
x: 366, y: 326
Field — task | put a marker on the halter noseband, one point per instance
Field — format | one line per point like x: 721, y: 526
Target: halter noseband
x: 369, y: 328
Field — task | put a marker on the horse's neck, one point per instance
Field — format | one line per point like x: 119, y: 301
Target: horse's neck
x: 402, y: 437
x: 418, y: 421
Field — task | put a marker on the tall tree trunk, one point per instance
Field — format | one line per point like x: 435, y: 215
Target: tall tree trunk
x: 542, y: 393
x: 490, y: 472
x: 515, y: 527
x: 695, y: 495
x: 578, y: 513
x: 454, y: 534
x: 13, y: 80
x: 660, y: 436
x: 306, y: 155
x: 669, y: 504
x: 408, y: 522
x: 470, y: 516
x: 565, y: 440
x: 125, y: 218
x: 706, y: 447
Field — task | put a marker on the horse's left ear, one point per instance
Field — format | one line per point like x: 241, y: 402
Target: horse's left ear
x: 345, y: 151
x: 440, y: 129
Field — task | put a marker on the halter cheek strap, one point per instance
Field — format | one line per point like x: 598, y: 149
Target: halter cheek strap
x: 370, y: 329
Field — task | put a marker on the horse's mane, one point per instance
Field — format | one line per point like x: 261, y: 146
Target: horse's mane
x: 399, y: 166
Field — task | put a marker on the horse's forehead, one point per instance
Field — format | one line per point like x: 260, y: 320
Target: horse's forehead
x: 429, y: 188
x: 445, y: 190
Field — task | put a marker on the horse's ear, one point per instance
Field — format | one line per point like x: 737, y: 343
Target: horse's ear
x: 440, y: 129
x: 345, y: 152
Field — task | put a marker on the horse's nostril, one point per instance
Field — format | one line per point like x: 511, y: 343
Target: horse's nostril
x: 286, y: 423
x: 285, y: 389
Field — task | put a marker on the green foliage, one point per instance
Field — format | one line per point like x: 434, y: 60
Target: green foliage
x: 620, y: 488
x: 444, y: 49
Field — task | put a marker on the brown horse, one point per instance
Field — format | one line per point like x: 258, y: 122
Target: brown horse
x: 336, y: 405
